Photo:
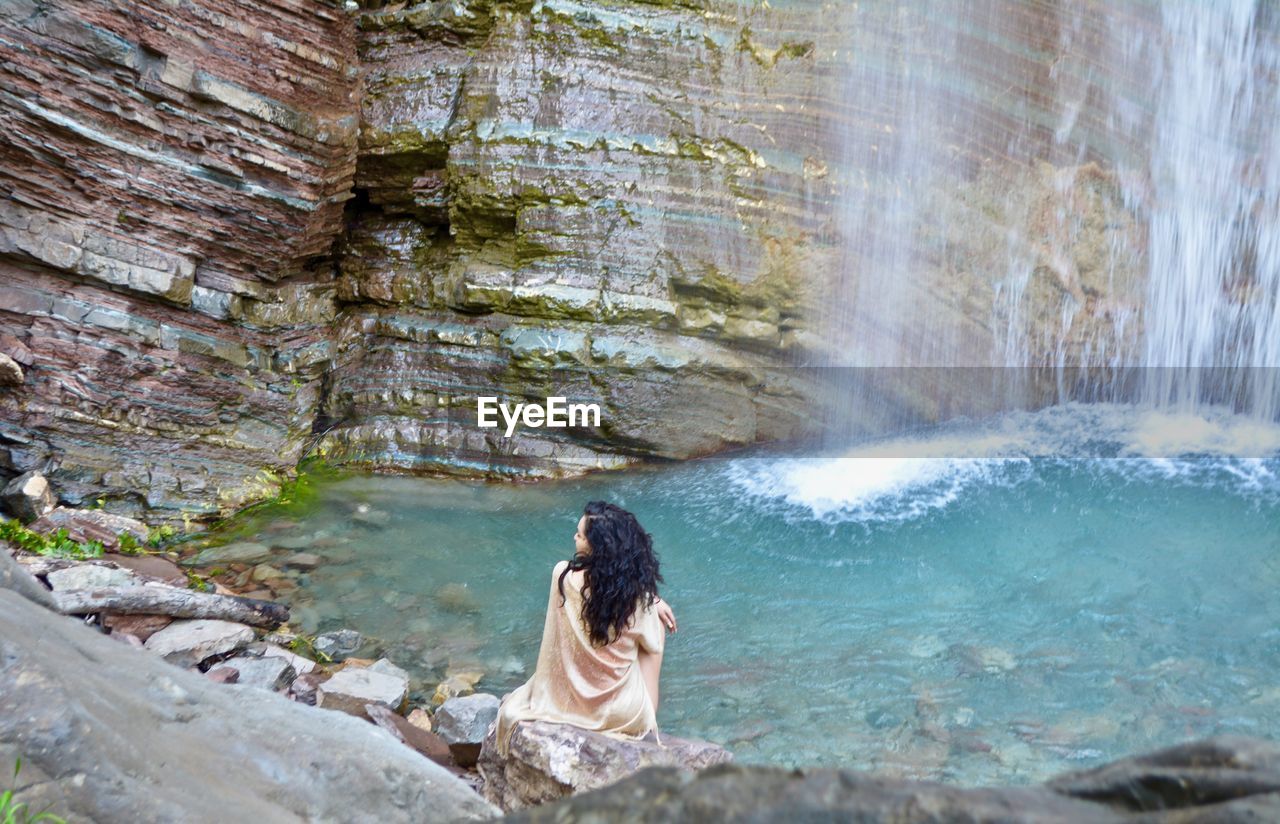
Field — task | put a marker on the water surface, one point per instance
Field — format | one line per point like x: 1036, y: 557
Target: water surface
x: 990, y: 602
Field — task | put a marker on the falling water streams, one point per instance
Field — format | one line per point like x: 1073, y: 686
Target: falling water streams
x: 1088, y: 190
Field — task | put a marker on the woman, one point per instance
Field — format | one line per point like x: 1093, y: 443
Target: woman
x: 603, y: 637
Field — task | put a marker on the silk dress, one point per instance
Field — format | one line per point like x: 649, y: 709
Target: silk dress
x: 595, y: 688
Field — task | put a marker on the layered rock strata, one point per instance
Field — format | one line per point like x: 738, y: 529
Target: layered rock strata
x: 174, y: 182
x: 619, y: 203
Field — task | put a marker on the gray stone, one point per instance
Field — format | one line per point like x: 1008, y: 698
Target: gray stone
x: 546, y: 761
x: 1227, y: 779
x: 350, y: 689
x: 303, y: 561
x: 187, y: 643
x: 300, y: 665
x: 28, y: 497
x: 91, y: 576
x: 463, y: 724
x: 243, y: 552
x: 110, y: 733
x: 387, y: 668
x: 339, y: 643
x: 268, y: 673
x: 10, y: 371
x: 467, y: 719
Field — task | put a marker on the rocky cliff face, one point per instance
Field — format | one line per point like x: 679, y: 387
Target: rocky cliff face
x: 230, y: 226
x: 235, y: 232
x: 175, y: 179
x: 621, y: 203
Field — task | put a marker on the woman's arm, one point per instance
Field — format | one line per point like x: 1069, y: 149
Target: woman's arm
x: 650, y: 666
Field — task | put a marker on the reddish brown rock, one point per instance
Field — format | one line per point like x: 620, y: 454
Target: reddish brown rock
x: 150, y: 566
x: 90, y: 525
x: 141, y: 627
x: 223, y: 675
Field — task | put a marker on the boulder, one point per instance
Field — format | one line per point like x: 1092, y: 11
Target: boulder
x: 464, y: 722
x: 91, y: 525
x: 28, y: 496
x: 546, y: 761
x: 10, y: 371
x: 352, y: 688
x: 1228, y: 779
x: 109, y: 733
x: 269, y: 673
x: 187, y: 643
x: 91, y: 576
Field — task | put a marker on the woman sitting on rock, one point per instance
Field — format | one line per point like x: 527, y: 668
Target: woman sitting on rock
x: 603, y: 637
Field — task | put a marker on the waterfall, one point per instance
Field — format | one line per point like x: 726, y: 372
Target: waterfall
x: 1057, y: 201
x: 1212, y: 324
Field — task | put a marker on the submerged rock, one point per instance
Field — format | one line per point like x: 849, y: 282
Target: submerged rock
x: 339, y: 643
x: 109, y: 733
x: 243, y: 552
x: 28, y: 496
x: 548, y: 761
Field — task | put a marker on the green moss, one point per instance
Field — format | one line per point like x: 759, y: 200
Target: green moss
x: 768, y: 58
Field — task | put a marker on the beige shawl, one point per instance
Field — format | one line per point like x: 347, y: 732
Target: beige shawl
x: 596, y: 688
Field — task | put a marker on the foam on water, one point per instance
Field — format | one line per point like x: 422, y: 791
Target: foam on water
x: 905, y: 478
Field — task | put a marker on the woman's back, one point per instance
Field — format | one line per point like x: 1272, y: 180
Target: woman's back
x: 598, y: 688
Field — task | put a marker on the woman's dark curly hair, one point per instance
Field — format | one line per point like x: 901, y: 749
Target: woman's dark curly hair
x: 621, y: 569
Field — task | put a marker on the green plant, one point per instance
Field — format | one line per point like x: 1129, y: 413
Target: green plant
x: 58, y: 544
x: 159, y: 535
x: 305, y: 646
x: 195, y: 582
x: 13, y: 811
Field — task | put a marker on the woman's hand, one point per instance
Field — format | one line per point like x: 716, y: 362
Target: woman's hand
x: 665, y: 615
